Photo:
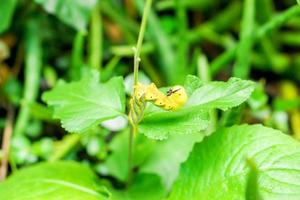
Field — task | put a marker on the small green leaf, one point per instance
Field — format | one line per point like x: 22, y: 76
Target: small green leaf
x: 217, y: 168
x: 298, y: 1
x: 7, y: 10
x: 75, y: 13
x: 52, y: 181
x: 222, y: 95
x: 81, y: 105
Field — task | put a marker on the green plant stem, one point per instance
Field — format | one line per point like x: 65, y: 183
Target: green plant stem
x: 126, y: 24
x: 163, y: 45
x: 33, y: 65
x: 126, y: 50
x: 219, y: 23
x: 277, y: 61
x: 290, y: 38
x: 138, y: 47
x: 140, y: 40
x: 277, y: 21
x: 220, y: 62
x: 153, y: 74
x: 242, y: 66
x: 68, y: 145
x: 265, y: 8
x: 130, y: 29
x: 293, y: 23
x: 170, y: 4
x: 133, y: 132
x: 95, y: 42
x: 209, y: 31
x: 203, y: 68
x: 108, y: 69
x: 183, y: 44
x: 77, y: 56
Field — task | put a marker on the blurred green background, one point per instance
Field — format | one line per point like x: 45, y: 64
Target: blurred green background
x: 43, y: 42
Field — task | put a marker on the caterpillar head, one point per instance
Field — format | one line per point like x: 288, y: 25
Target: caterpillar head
x: 177, y: 95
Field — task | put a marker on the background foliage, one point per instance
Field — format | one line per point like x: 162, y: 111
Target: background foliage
x: 66, y: 77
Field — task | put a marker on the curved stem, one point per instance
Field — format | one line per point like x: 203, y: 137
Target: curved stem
x: 137, y: 52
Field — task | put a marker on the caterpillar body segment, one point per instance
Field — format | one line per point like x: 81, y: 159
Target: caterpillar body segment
x: 175, y: 98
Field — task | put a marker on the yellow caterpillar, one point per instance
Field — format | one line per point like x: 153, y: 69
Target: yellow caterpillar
x: 175, y: 98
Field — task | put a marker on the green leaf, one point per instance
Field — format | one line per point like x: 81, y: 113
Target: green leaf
x: 168, y: 154
x: 52, y: 181
x: 192, y: 83
x: 75, y: 13
x: 298, y: 1
x: 143, y: 187
x: 222, y: 95
x: 217, y: 167
x: 193, y: 117
x: 160, y: 124
x: 81, y: 105
x: 7, y: 10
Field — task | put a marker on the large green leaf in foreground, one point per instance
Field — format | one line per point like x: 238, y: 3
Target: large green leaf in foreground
x: 75, y: 13
x: 81, y: 105
x: 193, y: 117
x: 217, y: 169
x: 53, y: 181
